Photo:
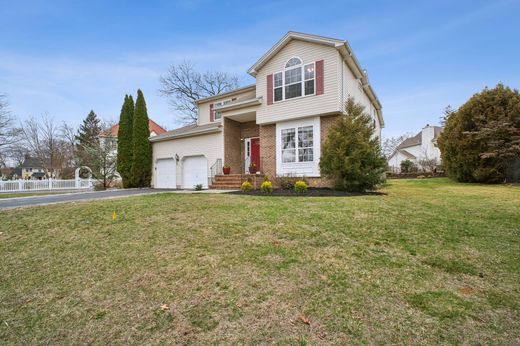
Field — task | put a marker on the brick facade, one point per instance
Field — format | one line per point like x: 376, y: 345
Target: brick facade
x: 268, y: 149
x: 234, y: 145
x: 235, y: 132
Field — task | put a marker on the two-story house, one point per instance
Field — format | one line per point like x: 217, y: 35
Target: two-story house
x: 421, y: 147
x: 278, y: 123
x: 31, y: 169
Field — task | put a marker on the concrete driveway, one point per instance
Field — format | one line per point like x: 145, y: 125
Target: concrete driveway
x: 21, y: 202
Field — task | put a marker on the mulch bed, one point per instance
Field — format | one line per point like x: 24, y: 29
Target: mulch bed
x: 311, y: 192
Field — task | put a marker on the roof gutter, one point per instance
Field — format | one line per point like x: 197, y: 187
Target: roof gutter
x: 227, y: 93
x: 240, y: 104
x: 187, y: 134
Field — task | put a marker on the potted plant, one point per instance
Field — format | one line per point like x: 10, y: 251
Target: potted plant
x: 226, y: 169
x: 252, y: 168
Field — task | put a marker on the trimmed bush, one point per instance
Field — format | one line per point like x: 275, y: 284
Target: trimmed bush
x: 267, y: 187
x: 246, y: 186
x: 300, y: 186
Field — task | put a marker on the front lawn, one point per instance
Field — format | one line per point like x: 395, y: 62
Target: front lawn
x: 28, y: 194
x: 430, y: 262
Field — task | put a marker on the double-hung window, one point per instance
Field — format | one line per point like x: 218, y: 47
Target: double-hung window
x: 297, y: 144
x: 295, y: 80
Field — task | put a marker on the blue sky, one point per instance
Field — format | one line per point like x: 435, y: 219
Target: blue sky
x: 67, y: 57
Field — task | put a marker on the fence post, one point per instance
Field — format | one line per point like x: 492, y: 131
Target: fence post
x: 20, y: 184
x: 50, y: 183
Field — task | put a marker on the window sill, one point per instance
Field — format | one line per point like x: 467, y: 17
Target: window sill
x: 294, y: 98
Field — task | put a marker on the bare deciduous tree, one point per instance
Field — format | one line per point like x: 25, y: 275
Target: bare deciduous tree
x: 9, y: 134
x: 389, y: 145
x: 183, y: 85
x: 44, y: 140
x: 427, y: 163
x: 102, y: 154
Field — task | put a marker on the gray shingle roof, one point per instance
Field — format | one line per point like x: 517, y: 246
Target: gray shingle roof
x: 31, y: 162
x: 417, y: 139
x: 189, y: 130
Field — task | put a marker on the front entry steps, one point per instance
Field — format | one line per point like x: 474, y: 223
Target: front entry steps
x: 234, y: 181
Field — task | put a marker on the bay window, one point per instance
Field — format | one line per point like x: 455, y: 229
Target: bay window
x: 295, y: 81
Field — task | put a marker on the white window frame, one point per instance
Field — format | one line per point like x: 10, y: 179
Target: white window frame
x: 301, y: 66
x: 304, y: 168
x: 217, y: 112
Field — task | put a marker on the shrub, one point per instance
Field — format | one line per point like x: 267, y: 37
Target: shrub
x: 300, y: 186
x: 246, y: 186
x: 198, y: 187
x: 408, y: 166
x: 482, y: 136
x: 267, y: 187
x: 287, y: 182
x: 351, y: 156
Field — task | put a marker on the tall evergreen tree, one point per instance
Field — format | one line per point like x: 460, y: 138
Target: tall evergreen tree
x: 142, y: 149
x: 124, y: 141
x: 87, y: 137
x: 351, y: 156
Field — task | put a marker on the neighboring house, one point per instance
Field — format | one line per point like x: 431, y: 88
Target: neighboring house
x: 278, y: 123
x: 421, y: 147
x: 31, y: 169
x: 155, y: 130
x: 112, y: 132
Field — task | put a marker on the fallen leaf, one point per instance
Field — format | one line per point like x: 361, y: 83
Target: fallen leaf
x: 165, y: 307
x: 466, y: 290
x: 276, y: 243
x: 238, y: 306
x: 304, y: 319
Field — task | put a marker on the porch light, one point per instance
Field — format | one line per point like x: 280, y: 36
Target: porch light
x: 177, y: 157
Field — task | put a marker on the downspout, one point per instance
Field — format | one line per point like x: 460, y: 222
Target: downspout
x: 342, y: 85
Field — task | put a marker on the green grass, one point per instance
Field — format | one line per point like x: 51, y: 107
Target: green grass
x: 28, y: 194
x: 430, y: 262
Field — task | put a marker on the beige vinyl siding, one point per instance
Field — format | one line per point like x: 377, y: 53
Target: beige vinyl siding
x: 210, y: 145
x: 204, y: 117
x: 238, y: 111
x: 305, y: 106
x: 351, y: 87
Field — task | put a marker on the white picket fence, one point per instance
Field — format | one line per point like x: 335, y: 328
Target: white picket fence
x: 48, y: 184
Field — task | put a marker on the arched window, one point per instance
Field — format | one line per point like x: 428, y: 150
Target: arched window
x: 294, y: 81
x: 293, y: 62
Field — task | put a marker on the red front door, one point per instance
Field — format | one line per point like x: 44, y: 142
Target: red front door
x: 255, y: 152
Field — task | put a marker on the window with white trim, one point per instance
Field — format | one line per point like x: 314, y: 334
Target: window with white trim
x: 295, y: 80
x: 217, y: 115
x: 300, y: 149
x: 305, y: 144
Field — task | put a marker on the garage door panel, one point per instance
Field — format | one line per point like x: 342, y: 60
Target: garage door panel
x: 195, y: 171
x: 166, y: 174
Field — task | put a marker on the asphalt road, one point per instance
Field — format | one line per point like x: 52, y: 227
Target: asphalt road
x: 21, y: 202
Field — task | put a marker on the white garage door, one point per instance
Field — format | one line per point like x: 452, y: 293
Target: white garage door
x: 194, y: 172
x: 166, y: 174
